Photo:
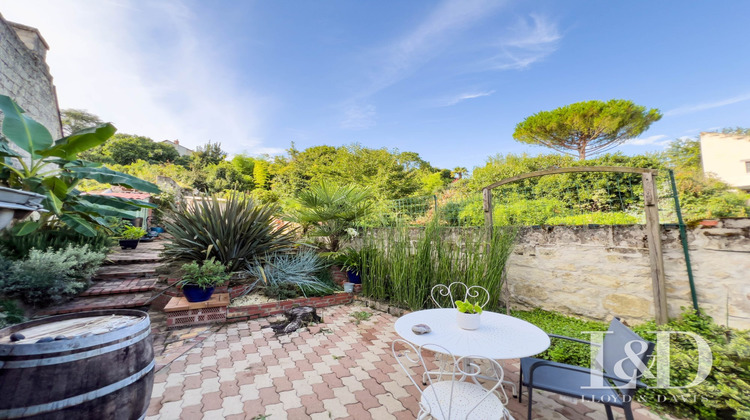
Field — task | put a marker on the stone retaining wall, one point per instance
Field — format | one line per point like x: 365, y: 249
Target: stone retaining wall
x: 600, y: 272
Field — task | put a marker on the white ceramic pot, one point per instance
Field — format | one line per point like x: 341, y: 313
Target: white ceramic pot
x: 468, y: 321
x: 349, y: 287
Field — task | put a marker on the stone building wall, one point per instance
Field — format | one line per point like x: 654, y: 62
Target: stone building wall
x: 602, y: 272
x: 25, y: 76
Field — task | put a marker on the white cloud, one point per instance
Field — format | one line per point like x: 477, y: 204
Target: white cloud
x: 688, y: 109
x: 144, y: 66
x: 463, y: 97
x: 530, y: 41
x: 417, y: 47
x: 359, y: 117
x: 658, y: 140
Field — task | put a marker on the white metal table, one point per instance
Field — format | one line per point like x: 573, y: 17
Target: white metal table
x: 498, y: 336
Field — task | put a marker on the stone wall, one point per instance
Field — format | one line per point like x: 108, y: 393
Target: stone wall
x: 604, y: 271
x: 25, y: 77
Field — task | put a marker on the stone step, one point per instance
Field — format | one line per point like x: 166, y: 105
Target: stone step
x: 134, y: 258
x: 93, y: 303
x: 127, y: 271
x: 115, y: 287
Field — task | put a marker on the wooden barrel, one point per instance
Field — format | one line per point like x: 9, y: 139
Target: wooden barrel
x: 100, y: 367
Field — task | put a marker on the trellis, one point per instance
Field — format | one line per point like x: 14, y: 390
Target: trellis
x: 650, y: 201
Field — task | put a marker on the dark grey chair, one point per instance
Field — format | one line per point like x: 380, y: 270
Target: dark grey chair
x: 616, y: 379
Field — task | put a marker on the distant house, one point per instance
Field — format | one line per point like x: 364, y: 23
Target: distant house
x: 182, y: 150
x: 728, y: 157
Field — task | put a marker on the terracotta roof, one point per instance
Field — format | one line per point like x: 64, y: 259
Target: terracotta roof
x: 130, y: 195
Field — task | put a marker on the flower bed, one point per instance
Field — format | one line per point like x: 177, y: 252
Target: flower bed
x: 243, y: 313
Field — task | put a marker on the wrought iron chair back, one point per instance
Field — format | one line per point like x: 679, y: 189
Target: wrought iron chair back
x: 461, y: 396
x: 459, y: 291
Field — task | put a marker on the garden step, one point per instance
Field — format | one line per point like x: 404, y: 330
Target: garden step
x: 126, y: 271
x: 121, y: 287
x: 93, y: 303
x: 145, y: 253
x: 133, y: 258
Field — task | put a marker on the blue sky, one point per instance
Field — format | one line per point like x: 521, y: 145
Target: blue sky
x: 447, y: 79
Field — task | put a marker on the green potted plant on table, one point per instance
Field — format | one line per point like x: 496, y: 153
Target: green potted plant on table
x: 199, y: 281
x: 468, y: 315
x: 130, y: 236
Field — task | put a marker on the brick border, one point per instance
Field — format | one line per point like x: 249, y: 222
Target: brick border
x: 244, y: 313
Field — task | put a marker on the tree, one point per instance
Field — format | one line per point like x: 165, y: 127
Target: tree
x: 260, y: 174
x: 586, y: 128
x: 208, y: 154
x: 460, y: 171
x: 126, y: 149
x: 75, y: 120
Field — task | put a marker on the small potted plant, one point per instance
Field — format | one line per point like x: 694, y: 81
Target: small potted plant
x: 130, y: 236
x: 468, y: 315
x: 199, y: 281
x: 350, y: 260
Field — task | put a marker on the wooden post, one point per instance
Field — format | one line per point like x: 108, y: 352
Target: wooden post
x: 656, y: 257
x: 487, y: 198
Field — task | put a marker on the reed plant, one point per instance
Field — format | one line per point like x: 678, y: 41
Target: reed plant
x: 402, y: 264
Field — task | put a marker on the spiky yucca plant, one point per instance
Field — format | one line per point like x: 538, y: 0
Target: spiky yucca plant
x: 234, y: 231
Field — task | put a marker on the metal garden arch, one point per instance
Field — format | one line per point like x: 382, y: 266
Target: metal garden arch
x: 650, y: 200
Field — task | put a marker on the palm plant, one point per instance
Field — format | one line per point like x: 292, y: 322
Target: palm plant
x: 235, y: 231
x: 328, y: 210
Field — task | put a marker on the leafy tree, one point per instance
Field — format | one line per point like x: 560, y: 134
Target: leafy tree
x: 702, y: 196
x: 225, y: 176
x: 208, y: 154
x: 684, y: 154
x: 260, y: 174
x: 736, y: 130
x: 586, y: 128
x: 126, y: 149
x: 388, y: 174
x: 244, y: 164
x: 75, y: 120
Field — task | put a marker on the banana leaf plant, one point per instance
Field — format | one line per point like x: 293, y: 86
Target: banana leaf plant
x: 53, y: 170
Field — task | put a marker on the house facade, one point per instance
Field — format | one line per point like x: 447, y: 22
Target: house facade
x: 182, y: 150
x: 728, y: 157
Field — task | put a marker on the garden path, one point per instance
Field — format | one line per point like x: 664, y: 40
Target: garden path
x: 336, y: 369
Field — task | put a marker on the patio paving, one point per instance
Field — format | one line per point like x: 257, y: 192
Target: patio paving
x: 332, y: 370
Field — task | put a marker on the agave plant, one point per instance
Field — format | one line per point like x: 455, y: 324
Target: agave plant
x: 329, y: 211
x: 53, y: 170
x: 234, y: 231
x: 297, y: 269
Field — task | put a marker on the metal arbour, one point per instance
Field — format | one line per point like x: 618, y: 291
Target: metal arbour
x: 650, y: 200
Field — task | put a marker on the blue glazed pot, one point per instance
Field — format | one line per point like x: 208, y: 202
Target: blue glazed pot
x: 195, y: 293
x: 157, y: 229
x: 353, y: 277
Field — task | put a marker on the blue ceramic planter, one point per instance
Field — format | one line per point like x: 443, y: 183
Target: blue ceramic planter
x: 353, y: 277
x: 157, y: 229
x: 195, y: 293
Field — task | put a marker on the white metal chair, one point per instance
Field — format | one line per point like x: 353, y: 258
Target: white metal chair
x: 462, y: 396
x: 476, y: 294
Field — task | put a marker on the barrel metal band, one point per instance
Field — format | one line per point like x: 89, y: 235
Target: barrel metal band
x: 14, y: 413
x: 17, y: 364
